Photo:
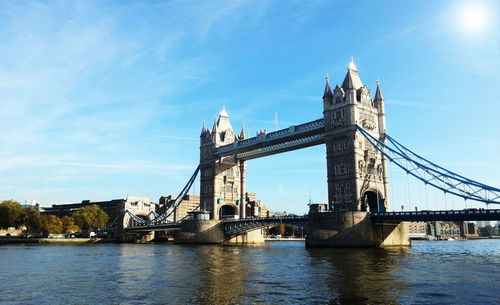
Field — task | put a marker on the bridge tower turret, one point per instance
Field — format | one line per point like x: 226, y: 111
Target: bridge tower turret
x: 356, y: 171
x: 221, y: 178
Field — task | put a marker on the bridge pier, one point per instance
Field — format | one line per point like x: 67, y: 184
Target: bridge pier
x: 212, y: 232
x: 354, y: 229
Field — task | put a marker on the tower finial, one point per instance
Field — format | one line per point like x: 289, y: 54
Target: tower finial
x: 378, y: 93
x: 214, y: 129
x: 328, y: 91
x: 352, y: 66
x: 204, y: 129
x: 223, y: 112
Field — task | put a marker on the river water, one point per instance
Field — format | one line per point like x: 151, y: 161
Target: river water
x: 439, y: 272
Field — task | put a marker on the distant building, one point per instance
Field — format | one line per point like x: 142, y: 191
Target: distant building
x: 448, y: 229
x: 254, y: 207
x: 418, y: 230
x: 468, y: 229
x: 31, y: 204
x: 318, y: 207
x: 189, y: 203
x: 116, y: 209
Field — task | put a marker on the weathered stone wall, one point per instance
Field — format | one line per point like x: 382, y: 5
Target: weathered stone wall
x: 212, y: 232
x: 200, y: 232
x: 354, y: 229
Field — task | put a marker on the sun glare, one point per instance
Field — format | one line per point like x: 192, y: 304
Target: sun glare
x: 473, y: 18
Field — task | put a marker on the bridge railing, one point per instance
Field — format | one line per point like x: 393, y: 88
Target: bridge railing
x: 233, y: 227
x: 451, y: 215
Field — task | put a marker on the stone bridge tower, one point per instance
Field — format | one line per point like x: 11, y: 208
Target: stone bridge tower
x: 357, y: 175
x: 222, y: 186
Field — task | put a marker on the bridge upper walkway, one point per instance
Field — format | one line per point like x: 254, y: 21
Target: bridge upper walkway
x: 291, y: 138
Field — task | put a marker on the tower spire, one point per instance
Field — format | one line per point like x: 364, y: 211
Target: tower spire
x: 204, y: 129
x: 378, y: 93
x: 214, y: 129
x: 242, y: 134
x: 328, y: 91
x: 352, y: 80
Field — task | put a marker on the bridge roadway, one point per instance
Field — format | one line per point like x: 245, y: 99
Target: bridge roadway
x: 445, y: 215
x: 233, y: 227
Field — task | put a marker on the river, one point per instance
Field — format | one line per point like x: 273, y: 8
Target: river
x: 430, y: 272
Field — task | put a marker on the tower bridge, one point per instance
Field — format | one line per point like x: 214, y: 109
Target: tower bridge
x: 357, y: 150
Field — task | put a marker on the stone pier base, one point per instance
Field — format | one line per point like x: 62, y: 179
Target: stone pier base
x: 353, y: 230
x: 212, y: 232
x: 141, y: 237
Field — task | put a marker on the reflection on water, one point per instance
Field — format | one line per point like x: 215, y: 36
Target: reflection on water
x: 276, y: 273
x: 223, y: 274
x: 362, y: 276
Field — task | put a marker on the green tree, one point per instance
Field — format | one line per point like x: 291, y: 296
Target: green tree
x: 11, y: 213
x: 31, y: 220
x: 51, y: 224
x: 90, y: 217
x: 69, y: 225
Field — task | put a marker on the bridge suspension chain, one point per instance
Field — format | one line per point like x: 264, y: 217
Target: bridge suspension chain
x: 431, y: 173
x: 163, y: 218
x: 172, y: 207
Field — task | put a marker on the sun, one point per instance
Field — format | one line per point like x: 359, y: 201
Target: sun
x: 473, y: 18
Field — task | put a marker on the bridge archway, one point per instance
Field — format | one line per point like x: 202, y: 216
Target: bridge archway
x: 227, y: 210
x: 374, y: 201
x: 130, y: 222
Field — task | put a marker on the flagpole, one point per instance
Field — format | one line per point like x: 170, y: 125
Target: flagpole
x: 276, y: 121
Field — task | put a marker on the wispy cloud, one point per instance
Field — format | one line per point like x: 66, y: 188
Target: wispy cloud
x: 415, y: 104
x: 397, y: 34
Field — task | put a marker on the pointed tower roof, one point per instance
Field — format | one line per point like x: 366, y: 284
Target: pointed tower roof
x: 204, y: 129
x: 242, y: 133
x: 223, y: 112
x: 223, y: 123
x: 328, y: 91
x: 378, y: 93
x: 214, y: 129
x: 352, y: 80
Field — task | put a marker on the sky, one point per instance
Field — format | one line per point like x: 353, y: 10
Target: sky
x: 104, y: 99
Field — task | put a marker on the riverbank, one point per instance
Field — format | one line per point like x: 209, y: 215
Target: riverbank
x: 285, y: 239
x: 20, y: 240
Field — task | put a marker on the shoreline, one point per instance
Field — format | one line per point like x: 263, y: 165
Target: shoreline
x: 20, y: 240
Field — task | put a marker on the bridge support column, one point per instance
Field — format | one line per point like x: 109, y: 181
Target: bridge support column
x: 243, y: 204
x: 354, y: 229
x: 212, y: 232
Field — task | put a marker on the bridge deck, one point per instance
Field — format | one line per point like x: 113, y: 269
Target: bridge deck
x: 451, y: 215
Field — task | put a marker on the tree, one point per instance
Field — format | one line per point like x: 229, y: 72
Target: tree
x: 11, y: 213
x: 51, y: 224
x: 281, y: 229
x: 69, y: 225
x: 31, y: 220
x: 90, y: 217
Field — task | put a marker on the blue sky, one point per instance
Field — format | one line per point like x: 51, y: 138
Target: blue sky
x: 100, y: 99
